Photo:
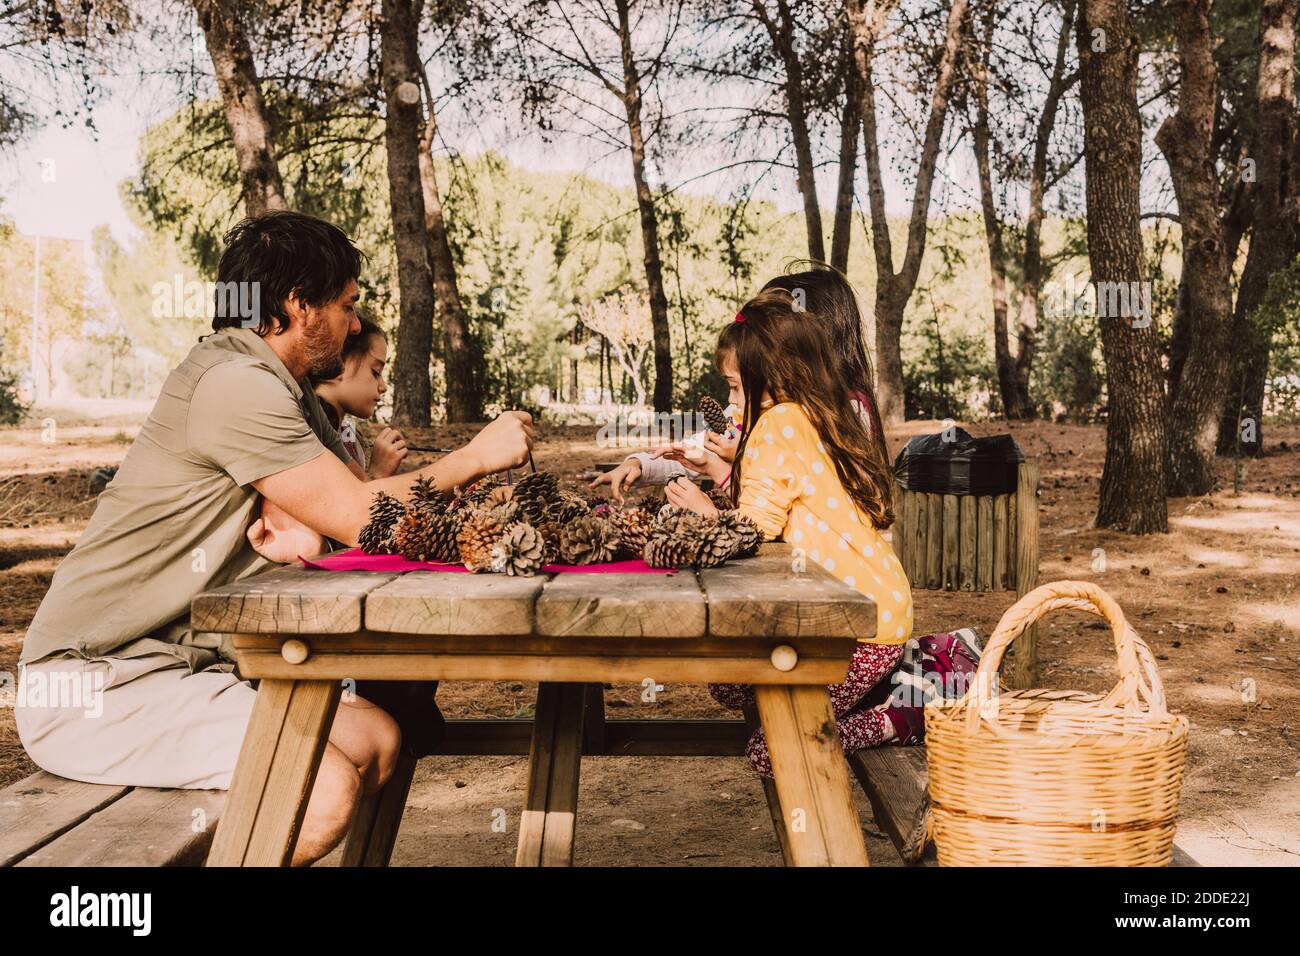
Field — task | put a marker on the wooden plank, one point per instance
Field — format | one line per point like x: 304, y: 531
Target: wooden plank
x: 374, y: 830
x: 438, y: 602
x: 1020, y: 669
x: 548, y: 824
x: 898, y: 530
x: 934, y: 542
x: 1182, y: 858
x: 147, y: 827
x: 951, y: 542
x: 289, y: 600
x: 765, y: 596
x: 966, y: 566
x: 274, y: 774
x: 919, y: 533
x: 622, y: 605
x: 1002, y: 574
x: 895, y: 781
x: 40, y: 808
x: 557, y: 659
x: 622, y: 738
x: 593, y: 719
x: 984, y: 545
x: 811, y: 777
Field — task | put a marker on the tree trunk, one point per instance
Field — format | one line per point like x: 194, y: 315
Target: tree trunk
x: 241, y: 97
x: 893, y: 289
x: 1197, y: 386
x: 850, y: 131
x: 1272, y: 235
x: 663, y: 390
x: 1031, y: 270
x: 400, y: 65
x: 1133, y: 477
x: 1006, y: 368
x: 461, y: 358
x: 782, y: 36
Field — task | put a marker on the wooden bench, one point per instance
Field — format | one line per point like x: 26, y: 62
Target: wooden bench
x: 50, y: 821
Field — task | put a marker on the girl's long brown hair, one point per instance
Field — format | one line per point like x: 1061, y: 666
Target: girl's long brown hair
x: 792, y: 355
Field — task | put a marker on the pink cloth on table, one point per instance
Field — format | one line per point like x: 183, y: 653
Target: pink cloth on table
x: 358, y: 560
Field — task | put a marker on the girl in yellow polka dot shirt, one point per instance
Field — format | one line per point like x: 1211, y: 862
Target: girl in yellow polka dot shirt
x: 813, y: 470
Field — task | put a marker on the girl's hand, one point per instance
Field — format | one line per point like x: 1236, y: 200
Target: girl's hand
x: 724, y: 446
x: 681, y: 491
x: 713, y: 466
x: 621, y: 479
x: 387, y: 455
x: 281, y: 538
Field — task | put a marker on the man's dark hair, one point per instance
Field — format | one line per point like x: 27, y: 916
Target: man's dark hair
x: 287, y: 254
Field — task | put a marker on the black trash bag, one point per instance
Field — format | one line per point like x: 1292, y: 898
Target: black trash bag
x: 965, y: 465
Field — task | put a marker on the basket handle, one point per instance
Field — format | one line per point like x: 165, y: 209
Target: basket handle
x: 1139, y: 682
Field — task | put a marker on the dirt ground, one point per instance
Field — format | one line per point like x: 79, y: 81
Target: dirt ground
x: 1216, y: 599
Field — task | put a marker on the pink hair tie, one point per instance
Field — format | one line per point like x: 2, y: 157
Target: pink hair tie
x: 740, y: 316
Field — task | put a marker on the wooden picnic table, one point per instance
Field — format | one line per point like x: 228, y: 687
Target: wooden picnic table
x: 786, y: 628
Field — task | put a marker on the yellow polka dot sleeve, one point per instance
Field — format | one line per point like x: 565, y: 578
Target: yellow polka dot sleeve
x: 789, y: 488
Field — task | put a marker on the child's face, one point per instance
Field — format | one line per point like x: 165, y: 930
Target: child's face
x: 731, y: 372
x: 362, y: 383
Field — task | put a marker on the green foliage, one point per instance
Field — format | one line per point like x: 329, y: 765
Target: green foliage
x: 12, y: 408
x: 1278, y: 321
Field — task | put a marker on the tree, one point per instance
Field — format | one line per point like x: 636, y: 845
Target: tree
x: 241, y: 95
x: 1133, y: 476
x: 1196, y: 391
x: 579, y: 52
x: 621, y: 318
x: 1273, y: 233
x: 401, y: 70
x: 893, y: 289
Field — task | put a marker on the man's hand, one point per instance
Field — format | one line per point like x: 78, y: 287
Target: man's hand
x: 622, y: 478
x: 504, y: 443
x: 387, y: 454
x: 279, y: 537
x: 684, y: 493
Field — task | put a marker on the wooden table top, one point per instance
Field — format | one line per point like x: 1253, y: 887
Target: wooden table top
x: 761, y: 596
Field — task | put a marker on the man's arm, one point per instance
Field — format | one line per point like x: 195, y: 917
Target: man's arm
x: 327, y: 496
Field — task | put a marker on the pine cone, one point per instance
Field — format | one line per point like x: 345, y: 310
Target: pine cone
x: 508, y: 512
x: 718, y: 542
x: 477, y: 493
x: 425, y: 496
x: 498, y: 496
x: 519, y: 551
x: 445, y: 548
x: 550, y: 532
x: 535, y: 492
x: 747, y: 533
x: 721, y: 500
x: 588, y: 541
x: 415, y: 538
x: 633, y: 527
x: 715, y: 416
x: 377, y: 536
x: 565, y: 508
x: 672, y: 520
x: 672, y: 551
x: 653, y: 503
x: 478, y: 535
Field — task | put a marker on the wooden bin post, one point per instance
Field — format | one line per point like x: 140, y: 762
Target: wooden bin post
x: 1020, y: 668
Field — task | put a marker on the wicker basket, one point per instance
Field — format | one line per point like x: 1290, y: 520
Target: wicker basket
x: 1057, y: 778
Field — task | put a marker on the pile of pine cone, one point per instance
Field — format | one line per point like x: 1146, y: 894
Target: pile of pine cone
x: 516, y: 529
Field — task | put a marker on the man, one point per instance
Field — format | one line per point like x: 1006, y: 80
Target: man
x: 235, y: 425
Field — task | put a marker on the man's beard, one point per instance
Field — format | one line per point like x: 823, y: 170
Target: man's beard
x: 322, y: 354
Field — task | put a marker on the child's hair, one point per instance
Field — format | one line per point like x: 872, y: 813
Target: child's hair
x: 793, y: 355
x: 355, y: 348
x: 827, y: 294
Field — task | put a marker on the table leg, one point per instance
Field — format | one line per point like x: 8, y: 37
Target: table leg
x: 752, y: 723
x: 273, y: 778
x: 374, y: 831
x: 812, y: 780
x: 546, y: 829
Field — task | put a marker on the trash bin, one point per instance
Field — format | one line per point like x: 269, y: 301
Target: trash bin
x: 953, y: 462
